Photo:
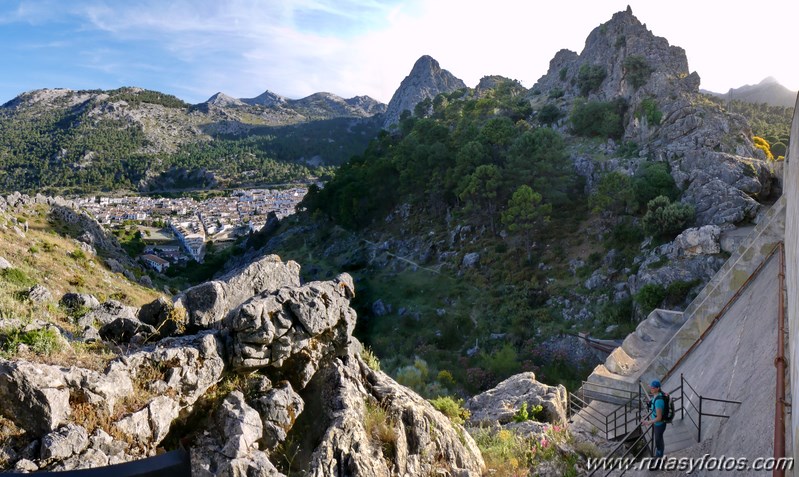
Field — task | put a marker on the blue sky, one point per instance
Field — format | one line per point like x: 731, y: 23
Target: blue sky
x: 195, y: 48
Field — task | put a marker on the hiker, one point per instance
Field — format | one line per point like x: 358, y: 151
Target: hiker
x: 657, y: 416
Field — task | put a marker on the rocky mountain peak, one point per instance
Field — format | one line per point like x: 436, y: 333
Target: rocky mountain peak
x: 426, y: 80
x: 224, y: 101
x: 627, y: 60
x: 267, y: 98
x: 367, y: 104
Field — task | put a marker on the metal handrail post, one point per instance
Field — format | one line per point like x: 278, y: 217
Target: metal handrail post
x: 699, y: 435
x: 682, y: 397
x: 625, y: 418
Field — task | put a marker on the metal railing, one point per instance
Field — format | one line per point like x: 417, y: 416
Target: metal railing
x: 701, y: 410
x: 615, y: 423
x: 634, y: 446
x: 627, y: 447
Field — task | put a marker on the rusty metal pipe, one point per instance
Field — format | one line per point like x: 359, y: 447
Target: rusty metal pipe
x: 779, y: 363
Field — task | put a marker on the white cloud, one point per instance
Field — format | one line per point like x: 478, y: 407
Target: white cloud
x: 351, y: 47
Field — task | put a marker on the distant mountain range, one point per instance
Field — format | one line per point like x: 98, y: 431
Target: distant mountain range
x: 768, y: 91
x: 318, y: 106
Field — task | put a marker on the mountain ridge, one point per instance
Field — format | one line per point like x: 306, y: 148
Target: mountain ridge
x: 768, y: 91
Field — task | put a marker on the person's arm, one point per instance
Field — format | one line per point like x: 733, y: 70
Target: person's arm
x: 658, y: 414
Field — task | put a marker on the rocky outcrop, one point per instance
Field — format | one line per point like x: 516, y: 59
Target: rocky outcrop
x: 92, y: 233
x: 697, y: 241
x: 500, y: 404
x: 294, y: 328
x: 420, y: 440
x: 284, y: 368
x: 75, y: 301
x: 211, y: 302
x: 723, y: 188
x: 425, y: 81
x: 710, y: 151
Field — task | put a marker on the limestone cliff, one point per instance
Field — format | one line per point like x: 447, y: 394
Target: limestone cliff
x: 426, y: 80
x: 710, y: 151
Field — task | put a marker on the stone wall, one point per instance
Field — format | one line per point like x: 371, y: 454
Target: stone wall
x: 791, y: 192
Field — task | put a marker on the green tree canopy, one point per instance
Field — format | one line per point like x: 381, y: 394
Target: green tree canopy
x: 524, y: 213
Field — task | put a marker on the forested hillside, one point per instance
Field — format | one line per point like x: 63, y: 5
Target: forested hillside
x: 492, y: 224
x: 138, y: 140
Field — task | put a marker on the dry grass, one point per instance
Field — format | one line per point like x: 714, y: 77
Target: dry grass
x: 11, y: 437
x: 51, y: 260
x: 56, y: 262
x: 381, y: 428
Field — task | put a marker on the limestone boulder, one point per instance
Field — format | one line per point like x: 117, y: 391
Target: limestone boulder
x: 36, y: 398
x: 106, y: 313
x: 697, y: 241
x: 279, y: 408
x: 122, y: 330
x: 299, y: 326
x: 240, y: 424
x: 500, y: 404
x: 724, y: 189
x: 230, y: 447
x: 76, y: 301
x: 39, y: 294
x: 66, y: 441
x: 208, y: 304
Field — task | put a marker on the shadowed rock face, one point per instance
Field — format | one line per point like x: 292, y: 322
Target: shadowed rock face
x: 281, y: 356
x: 426, y: 80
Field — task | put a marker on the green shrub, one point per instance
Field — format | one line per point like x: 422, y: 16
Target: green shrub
x: 599, y: 119
x: 17, y: 277
x: 778, y: 149
x: 503, y: 362
x: 628, y: 149
x: 590, y: 78
x: 556, y: 93
x: 653, y: 179
x: 452, y: 408
x: 549, y: 114
x: 414, y: 376
x: 562, y: 73
x: 678, y: 291
x: 78, y: 255
x: 614, y: 194
x: 532, y: 414
x: 45, y: 341
x: 637, y: 70
x: 666, y: 219
x: 649, y: 109
x: 650, y: 296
